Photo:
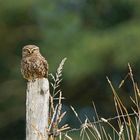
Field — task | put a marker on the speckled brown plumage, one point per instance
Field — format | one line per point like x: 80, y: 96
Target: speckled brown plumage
x: 33, y: 64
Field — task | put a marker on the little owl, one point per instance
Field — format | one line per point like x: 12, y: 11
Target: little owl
x: 33, y: 64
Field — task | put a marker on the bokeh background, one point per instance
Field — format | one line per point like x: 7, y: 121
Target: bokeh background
x: 99, y: 38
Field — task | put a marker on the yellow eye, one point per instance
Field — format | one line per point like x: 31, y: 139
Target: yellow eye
x: 35, y: 49
x: 30, y: 51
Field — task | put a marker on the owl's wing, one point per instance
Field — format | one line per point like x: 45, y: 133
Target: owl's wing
x: 45, y: 63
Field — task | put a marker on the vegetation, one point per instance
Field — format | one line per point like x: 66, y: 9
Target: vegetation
x: 124, y: 126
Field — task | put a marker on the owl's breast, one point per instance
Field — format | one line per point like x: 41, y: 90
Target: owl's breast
x: 33, y: 68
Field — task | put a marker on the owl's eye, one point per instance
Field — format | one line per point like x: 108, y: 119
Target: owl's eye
x: 33, y: 50
x: 30, y: 51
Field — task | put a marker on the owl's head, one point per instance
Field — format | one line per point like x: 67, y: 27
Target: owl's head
x: 30, y: 50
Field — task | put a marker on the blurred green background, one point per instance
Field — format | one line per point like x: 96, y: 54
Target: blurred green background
x: 99, y: 38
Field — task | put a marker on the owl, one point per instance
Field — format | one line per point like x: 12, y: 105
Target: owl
x: 33, y: 64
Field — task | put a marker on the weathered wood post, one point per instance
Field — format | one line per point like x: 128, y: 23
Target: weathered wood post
x: 37, y: 109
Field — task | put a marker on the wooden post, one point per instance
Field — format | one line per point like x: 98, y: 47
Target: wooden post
x: 37, y: 109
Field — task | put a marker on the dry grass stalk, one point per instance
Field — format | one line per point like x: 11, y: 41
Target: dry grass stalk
x: 55, y: 111
x: 128, y: 129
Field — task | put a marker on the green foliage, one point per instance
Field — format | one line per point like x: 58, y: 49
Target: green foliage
x: 102, y: 14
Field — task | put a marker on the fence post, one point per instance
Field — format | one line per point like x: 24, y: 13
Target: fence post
x: 37, y: 109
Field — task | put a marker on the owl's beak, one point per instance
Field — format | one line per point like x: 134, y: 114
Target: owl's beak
x: 30, y: 51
